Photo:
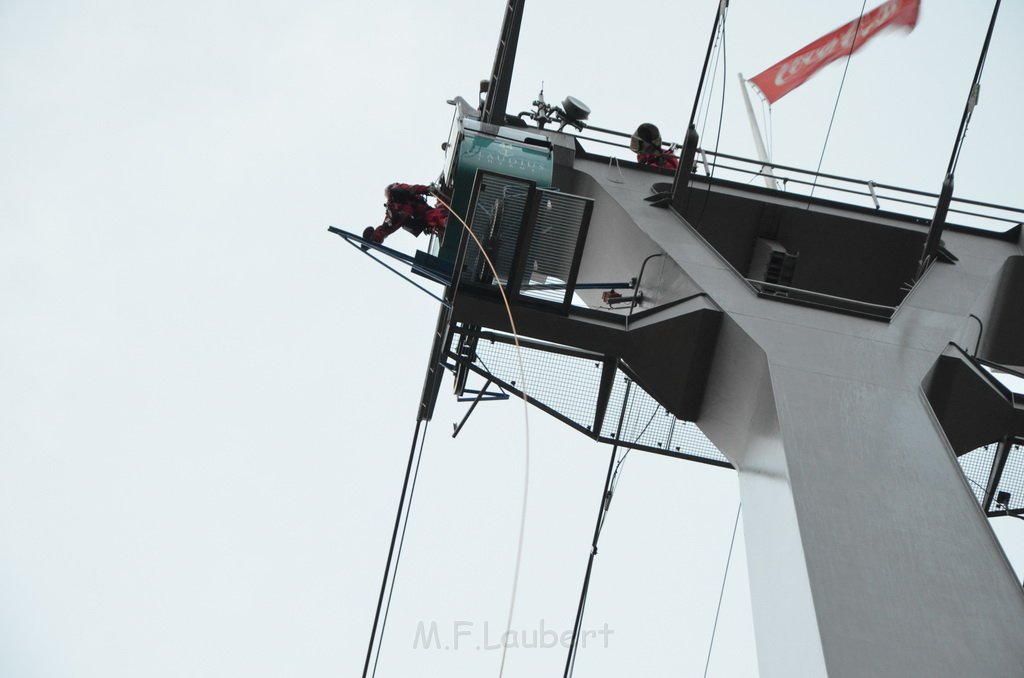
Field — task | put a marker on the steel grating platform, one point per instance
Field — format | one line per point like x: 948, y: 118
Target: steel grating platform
x: 566, y: 383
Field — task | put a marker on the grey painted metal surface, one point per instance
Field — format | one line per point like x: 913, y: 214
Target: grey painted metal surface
x: 1003, y: 318
x: 868, y: 553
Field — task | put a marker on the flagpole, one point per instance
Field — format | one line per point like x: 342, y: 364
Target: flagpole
x: 766, y: 171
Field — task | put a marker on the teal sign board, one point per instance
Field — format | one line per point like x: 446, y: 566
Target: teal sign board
x: 494, y: 154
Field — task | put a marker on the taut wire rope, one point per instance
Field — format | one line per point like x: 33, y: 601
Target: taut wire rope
x: 526, y: 424
x: 391, y: 552
x: 721, y: 115
x: 972, y: 97
x: 835, y: 107
x: 705, y: 106
x: 721, y: 592
x: 401, y: 543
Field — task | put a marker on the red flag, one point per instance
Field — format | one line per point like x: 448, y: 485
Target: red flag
x: 797, y: 68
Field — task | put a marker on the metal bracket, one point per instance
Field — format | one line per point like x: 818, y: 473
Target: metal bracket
x: 367, y: 247
x: 481, y: 395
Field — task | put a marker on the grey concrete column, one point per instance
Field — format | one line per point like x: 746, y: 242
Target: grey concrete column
x: 868, y: 554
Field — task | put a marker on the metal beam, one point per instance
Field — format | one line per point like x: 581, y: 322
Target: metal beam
x: 504, y: 61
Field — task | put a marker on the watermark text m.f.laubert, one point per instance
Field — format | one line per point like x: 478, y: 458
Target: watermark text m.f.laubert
x: 480, y: 636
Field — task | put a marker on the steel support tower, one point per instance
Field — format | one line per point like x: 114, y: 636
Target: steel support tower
x: 840, y: 357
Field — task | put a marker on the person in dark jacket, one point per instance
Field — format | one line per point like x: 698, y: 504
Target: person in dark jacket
x: 407, y: 208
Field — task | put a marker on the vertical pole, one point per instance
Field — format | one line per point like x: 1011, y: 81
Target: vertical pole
x: 606, y: 499
x: 762, y: 155
x: 972, y: 96
x: 681, y: 180
x: 931, y: 245
x: 934, y: 237
x: 391, y: 550
x: 504, y: 61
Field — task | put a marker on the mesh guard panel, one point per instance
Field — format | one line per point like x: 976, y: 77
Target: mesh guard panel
x: 566, y: 383
x: 1012, y: 481
x: 978, y: 466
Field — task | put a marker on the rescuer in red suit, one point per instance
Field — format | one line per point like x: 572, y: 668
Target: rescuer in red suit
x: 646, y: 143
x: 666, y: 160
x: 407, y: 208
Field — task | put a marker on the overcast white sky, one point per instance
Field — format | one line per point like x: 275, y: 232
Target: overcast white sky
x: 207, y: 400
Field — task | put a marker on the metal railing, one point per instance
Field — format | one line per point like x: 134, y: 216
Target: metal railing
x: 865, y: 193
